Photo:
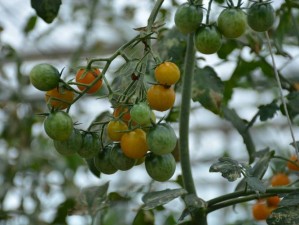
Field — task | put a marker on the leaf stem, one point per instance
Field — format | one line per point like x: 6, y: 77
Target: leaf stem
x: 281, y: 93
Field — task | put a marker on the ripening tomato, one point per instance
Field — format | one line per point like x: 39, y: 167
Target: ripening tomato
x: 44, y: 77
x: 292, y: 166
x: 280, y: 179
x: 260, y: 211
x: 160, y: 98
x: 167, y: 73
x: 273, y: 201
x: 232, y: 22
x: 134, y: 144
x: 59, y: 98
x: 188, y: 17
x: 260, y: 16
x: 122, y: 112
x: 58, y: 125
x: 207, y: 39
x: 116, y: 129
x: 86, y: 77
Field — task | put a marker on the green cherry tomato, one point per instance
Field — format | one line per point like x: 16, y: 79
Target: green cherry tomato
x: 119, y: 160
x: 160, y: 167
x: 70, y: 146
x: 102, y: 161
x: 141, y: 113
x: 58, y: 126
x: 44, y: 77
x: 188, y: 17
x: 232, y: 22
x: 208, y: 39
x: 161, y: 139
x: 91, y: 146
x: 260, y: 16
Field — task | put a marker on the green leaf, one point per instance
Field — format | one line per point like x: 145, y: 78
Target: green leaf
x: 144, y: 217
x: 96, y: 196
x: 46, y: 9
x: 153, y: 199
x: 255, y: 184
x: 92, y: 167
x: 207, y: 89
x: 227, y: 47
x: 170, y: 220
x: 292, y: 199
x: 284, y: 215
x: 268, y: 111
x: 229, y: 169
x: 62, y: 211
x: 30, y: 24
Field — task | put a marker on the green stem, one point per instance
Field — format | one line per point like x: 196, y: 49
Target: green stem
x: 208, y: 13
x: 198, y: 216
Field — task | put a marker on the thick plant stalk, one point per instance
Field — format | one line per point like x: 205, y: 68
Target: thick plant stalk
x: 198, y: 217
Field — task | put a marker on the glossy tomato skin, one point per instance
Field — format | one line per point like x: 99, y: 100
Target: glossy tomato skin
x: 134, y: 144
x: 119, y: 160
x: 91, y: 146
x: 70, y: 146
x: 58, y: 126
x: 161, y: 139
x: 87, y: 76
x: 188, y: 17
x: 232, y: 22
x: 102, y: 161
x: 116, y: 129
x: 260, y: 16
x: 44, y: 77
x: 160, y: 167
x: 260, y: 211
x: 167, y: 73
x: 208, y: 39
x: 59, y: 98
x: 141, y: 113
x: 160, y: 98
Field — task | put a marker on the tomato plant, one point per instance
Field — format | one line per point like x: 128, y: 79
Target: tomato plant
x: 119, y: 160
x: 188, y: 17
x: 59, y: 98
x: 116, y: 129
x: 208, y: 39
x: 260, y: 16
x: 70, y: 146
x: 160, y: 98
x: 141, y: 113
x: 58, y: 125
x: 232, y: 22
x: 160, y: 167
x: 161, y: 139
x: 102, y: 161
x: 86, y: 77
x: 167, y: 73
x: 91, y: 145
x: 134, y: 144
x: 44, y: 77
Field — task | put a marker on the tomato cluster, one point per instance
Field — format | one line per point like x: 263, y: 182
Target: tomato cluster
x: 231, y: 23
x: 133, y: 135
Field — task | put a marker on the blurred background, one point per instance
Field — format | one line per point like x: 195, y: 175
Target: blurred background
x: 38, y: 185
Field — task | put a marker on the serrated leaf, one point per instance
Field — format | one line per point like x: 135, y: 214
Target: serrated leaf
x: 255, y: 184
x: 259, y: 168
x: 144, y: 217
x: 46, y: 9
x: 153, y: 199
x: 284, y: 215
x: 268, y: 111
x: 229, y: 169
x: 292, y: 199
x: 207, y: 89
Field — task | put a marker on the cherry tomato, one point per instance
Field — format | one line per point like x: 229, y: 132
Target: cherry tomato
x: 260, y: 16
x: 115, y: 129
x: 260, y: 211
x: 280, y: 179
x: 167, y: 73
x: 141, y: 113
x: 232, y: 22
x: 273, y: 201
x: 208, y: 39
x: 119, y: 160
x: 188, y: 17
x: 134, y: 144
x: 70, y: 146
x: 292, y: 166
x: 102, y: 161
x: 44, y: 77
x: 59, y: 98
x: 122, y: 112
x: 160, y: 98
x: 91, y: 146
x: 86, y: 77
x: 58, y: 126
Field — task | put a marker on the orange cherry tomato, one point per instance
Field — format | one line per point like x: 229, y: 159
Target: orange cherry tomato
x: 292, y: 166
x: 167, y: 73
x: 134, y: 144
x: 86, y: 77
x: 160, y: 98
x: 123, y: 113
x: 115, y: 129
x: 280, y: 179
x: 260, y: 211
x: 273, y: 201
x: 59, y: 98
